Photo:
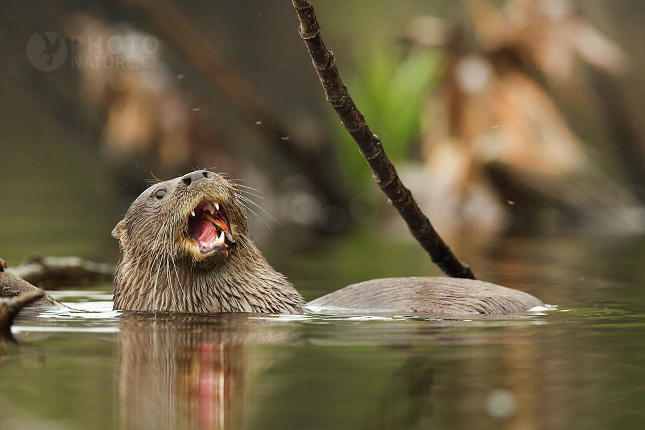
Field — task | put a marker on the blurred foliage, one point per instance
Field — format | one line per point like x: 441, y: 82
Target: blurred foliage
x: 390, y: 88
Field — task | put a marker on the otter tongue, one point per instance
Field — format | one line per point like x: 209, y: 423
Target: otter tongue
x: 205, y: 232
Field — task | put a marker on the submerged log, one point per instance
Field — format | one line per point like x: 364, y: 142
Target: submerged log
x: 53, y: 273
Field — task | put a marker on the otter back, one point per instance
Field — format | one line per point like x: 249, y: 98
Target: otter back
x: 430, y: 296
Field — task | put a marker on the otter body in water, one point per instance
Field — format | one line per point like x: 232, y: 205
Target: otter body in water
x: 185, y: 247
x: 11, y: 287
x: 14, y: 295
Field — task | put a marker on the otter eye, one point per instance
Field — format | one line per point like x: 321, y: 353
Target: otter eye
x: 159, y: 194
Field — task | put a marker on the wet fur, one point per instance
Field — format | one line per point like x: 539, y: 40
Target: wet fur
x: 429, y: 296
x: 158, y: 272
x: 12, y: 286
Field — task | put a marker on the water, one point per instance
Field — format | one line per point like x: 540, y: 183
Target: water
x: 579, y: 364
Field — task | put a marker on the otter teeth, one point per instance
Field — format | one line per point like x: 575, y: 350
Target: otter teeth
x: 221, y: 237
x: 209, y: 208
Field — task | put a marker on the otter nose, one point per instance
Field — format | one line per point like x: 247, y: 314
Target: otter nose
x: 194, y: 177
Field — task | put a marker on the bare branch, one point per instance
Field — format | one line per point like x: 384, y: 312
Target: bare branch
x: 370, y: 146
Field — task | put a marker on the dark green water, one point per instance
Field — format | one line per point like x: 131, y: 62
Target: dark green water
x: 580, y: 366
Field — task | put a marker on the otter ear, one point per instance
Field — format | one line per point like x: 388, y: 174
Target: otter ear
x: 119, y: 230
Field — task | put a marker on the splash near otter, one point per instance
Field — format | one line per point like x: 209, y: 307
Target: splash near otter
x: 185, y: 247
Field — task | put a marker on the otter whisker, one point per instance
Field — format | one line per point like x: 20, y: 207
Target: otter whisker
x: 153, y: 181
x: 141, y: 256
x: 177, y: 276
x: 255, y: 214
x: 154, y: 291
x: 169, y: 284
x: 149, y: 251
x: 246, y: 245
x: 249, y: 209
x: 167, y: 271
x: 237, y: 184
x: 244, y: 201
x: 250, y: 194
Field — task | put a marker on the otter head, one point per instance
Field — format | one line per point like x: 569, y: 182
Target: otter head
x: 185, y: 248
x: 198, y: 216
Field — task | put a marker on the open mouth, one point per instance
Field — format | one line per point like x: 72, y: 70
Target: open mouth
x: 209, y: 227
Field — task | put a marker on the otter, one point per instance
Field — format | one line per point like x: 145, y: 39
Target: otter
x: 11, y: 287
x: 9, y: 309
x: 185, y: 247
x: 15, y: 294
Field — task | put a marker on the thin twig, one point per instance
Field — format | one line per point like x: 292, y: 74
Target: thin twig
x: 370, y: 146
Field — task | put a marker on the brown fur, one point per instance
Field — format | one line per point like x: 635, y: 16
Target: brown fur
x: 9, y: 308
x: 12, y: 286
x: 16, y: 294
x: 160, y: 269
x: 426, y: 296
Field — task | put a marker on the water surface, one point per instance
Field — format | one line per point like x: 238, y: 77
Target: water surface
x: 579, y: 364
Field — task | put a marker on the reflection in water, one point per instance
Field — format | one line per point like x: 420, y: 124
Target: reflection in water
x: 197, y: 372
x: 407, y: 401
x: 563, y: 370
x: 185, y: 371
